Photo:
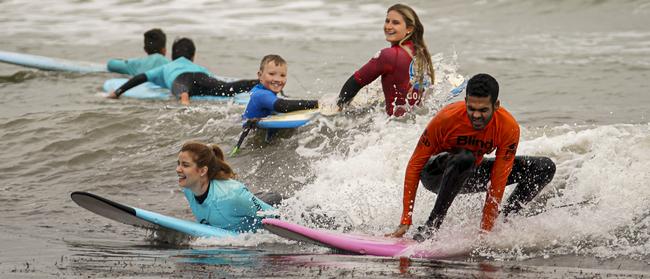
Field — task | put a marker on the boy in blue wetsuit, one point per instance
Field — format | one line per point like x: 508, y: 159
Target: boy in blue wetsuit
x: 155, y: 42
x: 184, y: 78
x: 264, y: 100
x: 215, y: 198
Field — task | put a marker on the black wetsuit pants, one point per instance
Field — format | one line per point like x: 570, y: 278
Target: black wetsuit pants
x: 201, y: 84
x: 448, y: 174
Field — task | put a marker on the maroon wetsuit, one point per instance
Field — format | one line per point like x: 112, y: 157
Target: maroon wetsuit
x: 393, y: 65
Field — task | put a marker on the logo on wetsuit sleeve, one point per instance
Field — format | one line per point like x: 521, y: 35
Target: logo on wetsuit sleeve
x: 413, y: 79
x: 256, y: 203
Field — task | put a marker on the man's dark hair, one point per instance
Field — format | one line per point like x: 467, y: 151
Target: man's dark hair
x: 483, y: 85
x: 183, y: 47
x: 154, y: 41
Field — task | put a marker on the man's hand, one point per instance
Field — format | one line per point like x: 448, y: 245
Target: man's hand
x: 112, y: 95
x: 401, y: 230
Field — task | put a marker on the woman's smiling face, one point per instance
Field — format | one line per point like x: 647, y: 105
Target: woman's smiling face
x: 189, y: 174
x: 395, y: 28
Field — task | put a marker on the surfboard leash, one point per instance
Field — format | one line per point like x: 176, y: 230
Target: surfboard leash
x: 248, y: 125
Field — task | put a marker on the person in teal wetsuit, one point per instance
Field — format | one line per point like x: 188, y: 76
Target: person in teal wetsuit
x: 184, y: 78
x: 214, y: 196
x: 155, y: 42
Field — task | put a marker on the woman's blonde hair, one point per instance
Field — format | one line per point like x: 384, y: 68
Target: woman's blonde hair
x: 421, y: 57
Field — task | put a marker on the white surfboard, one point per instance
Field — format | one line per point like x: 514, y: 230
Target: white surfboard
x: 288, y: 120
x: 50, y: 64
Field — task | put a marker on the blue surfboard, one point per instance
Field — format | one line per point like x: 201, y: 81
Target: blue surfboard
x: 456, y: 91
x: 151, y: 91
x: 50, y: 64
x: 145, y: 219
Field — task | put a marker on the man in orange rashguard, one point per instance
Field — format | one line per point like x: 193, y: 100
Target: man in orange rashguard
x: 449, y: 159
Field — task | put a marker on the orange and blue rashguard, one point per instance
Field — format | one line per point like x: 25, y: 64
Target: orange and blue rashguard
x: 451, y: 131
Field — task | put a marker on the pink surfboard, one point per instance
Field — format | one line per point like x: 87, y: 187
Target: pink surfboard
x: 358, y: 244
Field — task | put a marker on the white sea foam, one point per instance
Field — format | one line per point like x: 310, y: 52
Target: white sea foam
x: 605, y: 166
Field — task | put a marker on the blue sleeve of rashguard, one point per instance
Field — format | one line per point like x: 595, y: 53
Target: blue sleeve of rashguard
x: 118, y: 66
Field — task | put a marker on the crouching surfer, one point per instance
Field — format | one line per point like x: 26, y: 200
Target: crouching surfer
x: 449, y: 160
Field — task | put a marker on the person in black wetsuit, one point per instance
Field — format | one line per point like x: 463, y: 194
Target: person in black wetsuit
x: 264, y: 100
x: 185, y: 78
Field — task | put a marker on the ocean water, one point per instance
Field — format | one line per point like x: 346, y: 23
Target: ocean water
x: 574, y: 74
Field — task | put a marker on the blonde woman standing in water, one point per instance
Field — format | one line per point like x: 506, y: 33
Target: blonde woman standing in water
x: 405, y: 67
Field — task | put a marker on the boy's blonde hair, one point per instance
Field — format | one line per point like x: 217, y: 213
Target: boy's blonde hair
x: 272, y: 58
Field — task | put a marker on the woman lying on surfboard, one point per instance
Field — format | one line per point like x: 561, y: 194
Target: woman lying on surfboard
x: 214, y: 196
x: 405, y: 67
